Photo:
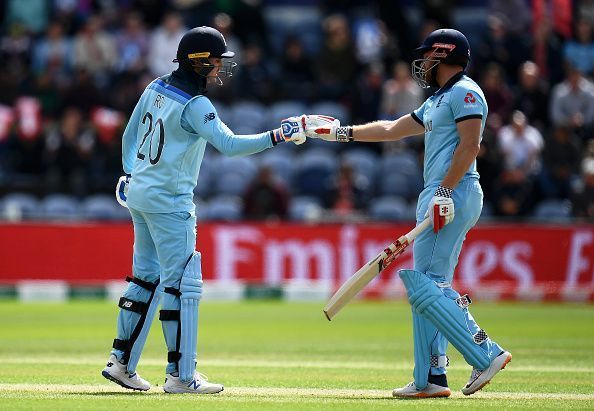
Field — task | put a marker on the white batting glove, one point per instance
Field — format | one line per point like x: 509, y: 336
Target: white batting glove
x: 327, y: 128
x: 291, y: 129
x: 121, y: 191
x: 441, y: 208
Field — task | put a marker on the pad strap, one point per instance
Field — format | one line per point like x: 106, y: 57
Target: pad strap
x: 144, y: 284
x: 122, y: 345
x: 173, y: 356
x: 480, y: 337
x: 131, y: 305
x: 172, y: 291
x: 169, y: 315
x: 440, y: 361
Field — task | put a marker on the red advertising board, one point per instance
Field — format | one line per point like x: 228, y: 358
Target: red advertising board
x: 505, y: 257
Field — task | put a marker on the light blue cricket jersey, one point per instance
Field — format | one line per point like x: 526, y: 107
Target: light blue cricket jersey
x: 163, y: 146
x: 459, y: 99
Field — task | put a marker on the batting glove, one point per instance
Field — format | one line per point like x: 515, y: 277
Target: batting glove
x: 291, y: 129
x: 121, y: 191
x: 441, y: 208
x: 327, y: 128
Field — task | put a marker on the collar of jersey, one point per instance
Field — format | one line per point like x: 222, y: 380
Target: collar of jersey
x: 184, y: 82
x: 453, y: 80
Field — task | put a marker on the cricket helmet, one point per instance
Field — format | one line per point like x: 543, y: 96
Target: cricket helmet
x: 198, y: 45
x: 447, y: 46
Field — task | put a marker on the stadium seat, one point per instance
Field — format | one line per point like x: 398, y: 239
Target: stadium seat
x: 363, y: 161
x: 389, y: 208
x: 313, y: 169
x: 395, y: 184
x: 231, y: 175
x: 225, y: 208
x: 283, y: 109
x: 247, y: 117
x: 406, y: 164
x: 302, y: 21
x: 330, y: 108
x: 553, y: 210
x: 282, y: 162
x: 304, y: 208
x: 60, y: 206
x: 18, y: 206
x: 100, y: 207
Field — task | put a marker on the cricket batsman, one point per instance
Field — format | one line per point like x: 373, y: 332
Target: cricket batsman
x: 162, y: 149
x: 452, y: 120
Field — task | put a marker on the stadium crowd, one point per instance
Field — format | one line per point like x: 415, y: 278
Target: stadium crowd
x: 72, y: 71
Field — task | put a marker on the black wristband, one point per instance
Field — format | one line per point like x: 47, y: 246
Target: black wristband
x: 344, y: 134
x: 276, y: 137
x: 444, y: 192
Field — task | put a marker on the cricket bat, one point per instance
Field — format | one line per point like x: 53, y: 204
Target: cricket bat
x: 370, y: 270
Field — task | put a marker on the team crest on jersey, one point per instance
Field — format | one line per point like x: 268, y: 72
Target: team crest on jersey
x: 470, y: 98
x: 208, y: 117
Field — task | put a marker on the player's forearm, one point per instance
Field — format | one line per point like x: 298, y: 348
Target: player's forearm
x: 386, y: 130
x: 461, y: 162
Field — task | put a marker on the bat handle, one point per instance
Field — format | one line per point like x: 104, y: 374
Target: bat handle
x: 418, y: 230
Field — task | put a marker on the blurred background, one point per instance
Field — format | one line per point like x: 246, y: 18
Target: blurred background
x: 72, y: 72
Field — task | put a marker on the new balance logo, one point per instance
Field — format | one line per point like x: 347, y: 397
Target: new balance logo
x: 208, y: 117
x: 194, y: 384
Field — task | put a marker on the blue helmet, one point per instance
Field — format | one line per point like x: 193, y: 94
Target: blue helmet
x: 447, y: 46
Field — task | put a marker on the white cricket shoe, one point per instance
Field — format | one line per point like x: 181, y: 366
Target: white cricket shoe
x: 430, y: 391
x: 199, y: 385
x: 480, y: 378
x: 116, y: 371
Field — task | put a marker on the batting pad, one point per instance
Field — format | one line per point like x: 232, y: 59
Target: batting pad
x: 427, y: 299
x: 191, y: 293
x: 422, y: 350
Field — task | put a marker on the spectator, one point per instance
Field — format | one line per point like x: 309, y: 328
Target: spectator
x: 488, y: 164
x: 95, y: 50
x: 583, y: 199
x: 501, y: 47
x: 15, y: 47
x: 82, y: 93
x: 255, y: 79
x: 531, y: 96
x: 572, y: 102
x: 336, y: 63
x: 521, y: 146
x: 265, y: 198
x: 561, y: 159
x: 498, y: 95
x: 52, y: 55
x: 296, y: 71
x: 579, y: 52
x: 368, y: 93
x: 400, y: 94
x: 69, y: 155
x: 33, y: 14
x: 346, y: 193
x: 164, y: 41
x: 513, y: 196
x: 132, y: 45
x: 515, y: 13
x: 547, y: 52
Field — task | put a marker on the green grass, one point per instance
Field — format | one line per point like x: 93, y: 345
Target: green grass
x: 275, y: 355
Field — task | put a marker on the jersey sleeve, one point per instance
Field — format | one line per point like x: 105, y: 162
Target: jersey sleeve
x: 129, y: 139
x: 417, y: 114
x: 466, y: 104
x: 200, y: 117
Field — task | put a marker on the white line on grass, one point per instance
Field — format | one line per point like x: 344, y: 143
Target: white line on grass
x: 257, y: 363
x: 284, y: 392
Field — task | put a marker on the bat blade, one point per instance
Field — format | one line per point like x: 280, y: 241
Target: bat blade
x: 370, y: 270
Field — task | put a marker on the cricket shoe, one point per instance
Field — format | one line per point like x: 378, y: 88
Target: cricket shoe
x: 480, y: 378
x: 116, y: 371
x: 430, y: 391
x: 199, y: 385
